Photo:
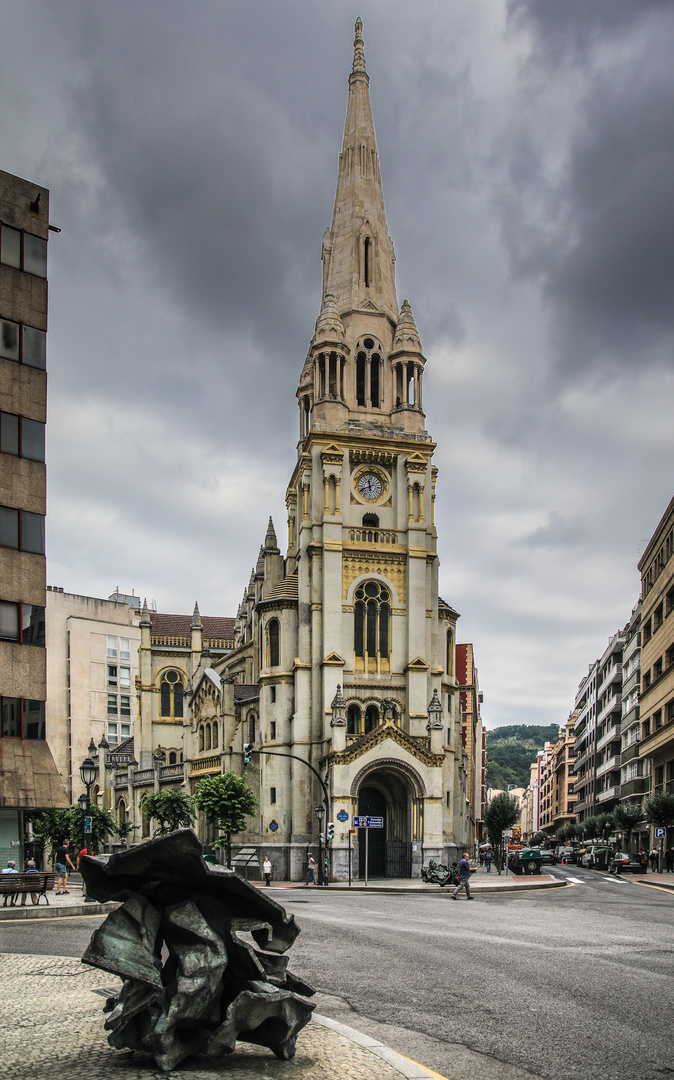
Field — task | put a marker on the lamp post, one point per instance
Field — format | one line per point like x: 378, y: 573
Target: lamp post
x: 319, y: 812
x: 87, y: 775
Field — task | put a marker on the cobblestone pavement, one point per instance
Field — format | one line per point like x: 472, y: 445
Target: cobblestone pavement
x: 51, y: 1025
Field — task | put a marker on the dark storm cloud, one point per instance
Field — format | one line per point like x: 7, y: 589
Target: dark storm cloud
x: 597, y: 233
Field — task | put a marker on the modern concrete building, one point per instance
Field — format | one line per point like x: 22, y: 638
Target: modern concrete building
x: 656, y: 567
x: 609, y: 718
x: 634, y: 775
x: 29, y: 780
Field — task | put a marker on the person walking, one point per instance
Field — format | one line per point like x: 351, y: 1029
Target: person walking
x: 464, y: 878
x: 488, y: 856
x: 61, y: 864
x: 311, y: 867
x: 669, y: 860
x: 266, y: 870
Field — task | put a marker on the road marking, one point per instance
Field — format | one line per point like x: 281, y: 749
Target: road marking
x: 660, y: 888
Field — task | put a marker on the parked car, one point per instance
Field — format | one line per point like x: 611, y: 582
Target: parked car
x: 525, y: 861
x: 548, y: 857
x: 628, y: 864
x: 566, y: 855
x: 596, y: 857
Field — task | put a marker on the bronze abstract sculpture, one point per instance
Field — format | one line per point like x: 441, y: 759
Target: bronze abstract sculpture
x: 192, y: 984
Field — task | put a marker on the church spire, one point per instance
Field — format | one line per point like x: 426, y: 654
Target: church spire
x: 358, y: 258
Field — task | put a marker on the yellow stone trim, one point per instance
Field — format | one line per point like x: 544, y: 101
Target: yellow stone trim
x: 415, y: 748
x: 333, y: 659
x: 418, y: 664
x: 357, y: 443
x: 417, y: 552
x: 392, y: 567
x: 332, y: 545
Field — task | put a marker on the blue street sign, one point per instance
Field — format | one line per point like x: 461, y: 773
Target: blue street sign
x: 368, y: 822
x: 273, y: 825
x: 342, y: 816
x: 87, y: 824
x: 660, y: 833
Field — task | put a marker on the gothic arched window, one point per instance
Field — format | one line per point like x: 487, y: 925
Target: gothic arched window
x: 372, y: 718
x: 215, y: 734
x: 273, y: 636
x: 353, y: 720
x: 449, y: 667
x: 251, y: 727
x: 372, y: 620
x: 207, y: 737
x: 201, y: 737
x: 171, y: 696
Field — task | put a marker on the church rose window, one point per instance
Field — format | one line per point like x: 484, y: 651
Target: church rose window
x: 372, y: 616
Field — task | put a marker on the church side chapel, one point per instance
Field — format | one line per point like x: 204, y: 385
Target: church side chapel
x: 344, y: 654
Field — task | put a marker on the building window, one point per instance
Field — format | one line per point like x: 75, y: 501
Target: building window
x: 21, y: 437
x: 22, y: 623
x: 372, y: 718
x: 125, y: 678
x: 112, y: 704
x: 251, y: 727
x: 111, y: 647
x: 21, y: 530
x: 207, y: 737
x: 118, y: 733
x: 372, y: 619
x: 23, y: 250
x: 21, y: 718
x: 449, y: 667
x: 272, y: 694
x: 273, y: 650
x: 215, y: 734
x: 112, y: 676
x: 201, y: 738
x: 367, y: 259
x: 171, y: 696
x: 353, y: 720
x: 272, y: 730
x: 272, y: 795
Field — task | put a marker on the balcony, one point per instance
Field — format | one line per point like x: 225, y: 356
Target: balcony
x: 609, y: 793
x: 631, y: 717
x: 613, y: 674
x: 612, y: 732
x: 637, y: 786
x: 610, y: 765
x: 372, y: 536
x: 633, y: 681
x: 629, y: 753
x: 612, y: 705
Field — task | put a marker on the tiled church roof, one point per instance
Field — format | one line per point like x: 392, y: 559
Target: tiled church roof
x: 246, y: 691
x: 217, y: 630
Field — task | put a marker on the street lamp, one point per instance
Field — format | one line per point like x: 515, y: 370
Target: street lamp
x: 319, y: 811
x: 87, y: 775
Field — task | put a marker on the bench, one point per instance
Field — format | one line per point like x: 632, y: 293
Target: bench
x: 15, y: 885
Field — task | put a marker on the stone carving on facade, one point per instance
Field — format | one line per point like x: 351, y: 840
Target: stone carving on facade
x: 434, y: 712
x: 213, y: 987
x: 418, y: 748
x: 338, y: 707
x: 391, y: 567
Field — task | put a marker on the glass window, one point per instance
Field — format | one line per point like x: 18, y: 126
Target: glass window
x: 112, y: 675
x: 111, y: 648
x: 9, y: 527
x: 178, y: 700
x: 125, y: 678
x: 32, y: 532
x: 34, y: 255
x: 125, y: 731
x: 9, y: 621
x: 124, y: 648
x: 165, y: 699
x: 32, y: 439
x: 33, y: 719
x: 273, y: 632
x: 124, y: 705
x: 10, y: 246
x: 112, y: 704
x: 34, y: 347
x: 9, y: 433
x: 11, y: 718
x: 112, y: 734
x: 9, y: 339
x: 33, y: 628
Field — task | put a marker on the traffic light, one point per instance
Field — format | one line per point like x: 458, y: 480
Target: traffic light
x: 321, y: 837
x: 247, y: 753
x: 331, y: 830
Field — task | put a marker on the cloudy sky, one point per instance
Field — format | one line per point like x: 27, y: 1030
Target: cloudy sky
x: 527, y: 155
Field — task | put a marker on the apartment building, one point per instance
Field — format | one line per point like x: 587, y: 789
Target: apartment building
x: 609, y: 720
x: 585, y: 708
x: 29, y: 780
x: 656, y: 566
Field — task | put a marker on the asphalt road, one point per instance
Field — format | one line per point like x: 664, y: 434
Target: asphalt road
x: 566, y: 983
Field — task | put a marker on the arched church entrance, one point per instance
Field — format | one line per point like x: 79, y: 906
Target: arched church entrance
x: 385, y: 793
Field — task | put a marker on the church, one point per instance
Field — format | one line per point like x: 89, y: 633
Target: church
x: 342, y: 671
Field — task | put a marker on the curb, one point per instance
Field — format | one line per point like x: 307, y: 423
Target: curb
x: 11, y: 914
x: 410, y: 1069
x: 437, y: 891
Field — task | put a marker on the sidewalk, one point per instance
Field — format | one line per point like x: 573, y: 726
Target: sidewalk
x: 63, y: 1000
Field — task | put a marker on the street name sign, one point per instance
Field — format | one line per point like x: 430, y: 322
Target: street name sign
x: 342, y: 816
x: 368, y: 822
x: 87, y: 824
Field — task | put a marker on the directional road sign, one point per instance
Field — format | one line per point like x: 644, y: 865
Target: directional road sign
x: 368, y: 822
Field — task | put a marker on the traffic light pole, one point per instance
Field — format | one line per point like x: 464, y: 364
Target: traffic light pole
x: 323, y: 869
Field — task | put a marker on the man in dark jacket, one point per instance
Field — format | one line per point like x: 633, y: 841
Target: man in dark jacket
x: 464, y: 878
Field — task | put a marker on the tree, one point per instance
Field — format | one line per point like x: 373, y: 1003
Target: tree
x: 226, y: 801
x: 171, y: 809
x: 589, y: 827
x: 659, y: 810
x: 626, y: 817
x: 604, y: 825
x: 52, y: 826
x: 501, y: 813
x: 538, y: 838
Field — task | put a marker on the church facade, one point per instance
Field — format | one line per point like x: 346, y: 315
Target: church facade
x: 344, y: 653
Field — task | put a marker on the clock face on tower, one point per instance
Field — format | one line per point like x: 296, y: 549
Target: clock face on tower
x: 370, y: 486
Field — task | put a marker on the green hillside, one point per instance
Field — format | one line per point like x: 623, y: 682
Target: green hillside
x: 511, y: 750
